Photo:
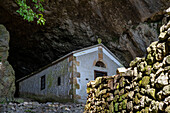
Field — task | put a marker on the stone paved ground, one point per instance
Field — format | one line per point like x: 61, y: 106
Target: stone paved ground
x: 35, y: 107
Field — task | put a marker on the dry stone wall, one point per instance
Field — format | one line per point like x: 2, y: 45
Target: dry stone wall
x: 143, y: 88
x: 7, y: 75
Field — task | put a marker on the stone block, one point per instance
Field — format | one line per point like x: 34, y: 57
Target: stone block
x: 150, y: 59
x: 162, y: 80
x: 130, y: 106
x: 135, y: 62
x: 131, y: 94
x: 167, y: 60
x: 148, y: 69
x: 166, y: 90
x: 163, y: 36
x: 145, y: 81
x: 124, y: 104
x: 111, y: 107
x: 116, y: 98
x: 116, y: 108
x: 116, y: 86
x: 167, y: 110
x: 121, y: 91
x: 141, y: 66
x: 151, y: 92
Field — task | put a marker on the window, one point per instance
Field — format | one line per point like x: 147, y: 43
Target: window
x: 100, y: 64
x: 99, y: 74
x: 43, y: 82
x: 59, y: 81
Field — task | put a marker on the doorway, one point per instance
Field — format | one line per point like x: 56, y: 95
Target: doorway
x: 99, y: 74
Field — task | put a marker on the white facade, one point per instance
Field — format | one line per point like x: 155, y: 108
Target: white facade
x: 53, y: 87
x: 86, y: 68
x: 75, y: 71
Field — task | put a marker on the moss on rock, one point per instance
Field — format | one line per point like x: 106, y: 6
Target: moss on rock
x: 145, y: 81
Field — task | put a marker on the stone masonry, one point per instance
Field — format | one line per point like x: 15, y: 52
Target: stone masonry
x: 143, y: 88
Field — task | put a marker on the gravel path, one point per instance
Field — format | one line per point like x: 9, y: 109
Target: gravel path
x: 35, y: 107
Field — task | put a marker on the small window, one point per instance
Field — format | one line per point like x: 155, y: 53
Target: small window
x: 100, y: 64
x: 43, y: 82
x: 59, y: 81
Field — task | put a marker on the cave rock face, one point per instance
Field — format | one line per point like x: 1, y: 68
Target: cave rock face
x: 7, y: 75
x: 75, y: 24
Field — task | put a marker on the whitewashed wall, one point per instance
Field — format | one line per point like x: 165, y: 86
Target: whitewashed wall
x: 86, y: 69
x: 32, y: 85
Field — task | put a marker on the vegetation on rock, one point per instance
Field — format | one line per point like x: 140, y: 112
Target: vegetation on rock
x: 27, y: 12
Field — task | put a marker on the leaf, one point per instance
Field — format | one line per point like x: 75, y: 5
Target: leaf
x: 25, y: 11
x: 25, y: 17
x: 36, y: 6
x: 28, y: 14
x: 17, y: 11
x: 37, y: 16
x: 42, y: 20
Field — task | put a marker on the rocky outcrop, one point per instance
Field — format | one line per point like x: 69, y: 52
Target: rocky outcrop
x: 143, y: 88
x: 7, y: 75
x: 134, y: 41
x: 74, y: 24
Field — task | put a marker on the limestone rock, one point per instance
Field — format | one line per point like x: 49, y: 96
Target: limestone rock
x: 162, y: 28
x: 167, y: 110
x: 151, y: 92
x: 141, y: 66
x: 130, y: 106
x: 167, y: 60
x: 152, y: 47
x: 142, y: 91
x: 7, y: 77
x: 162, y: 50
x: 135, y: 62
x: 167, y: 11
x: 142, y: 102
x: 129, y: 73
x: 162, y: 80
x: 154, y: 106
x: 137, y: 107
x: 166, y: 90
x: 167, y: 100
x: 145, y: 81
x: 159, y: 95
x: 131, y: 94
x: 161, y: 106
x: 147, y: 100
x: 166, y: 69
x: 168, y: 33
x: 148, y: 69
x: 157, y: 65
x: 152, y: 79
x: 163, y: 36
x: 150, y: 59
x: 98, y: 81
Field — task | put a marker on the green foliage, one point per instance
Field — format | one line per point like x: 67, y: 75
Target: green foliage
x: 27, y: 12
